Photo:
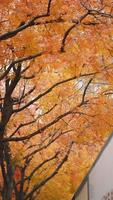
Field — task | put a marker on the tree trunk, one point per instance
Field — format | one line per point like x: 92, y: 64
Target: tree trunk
x: 8, y: 174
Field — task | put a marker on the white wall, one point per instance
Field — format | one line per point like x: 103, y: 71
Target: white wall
x: 101, y: 176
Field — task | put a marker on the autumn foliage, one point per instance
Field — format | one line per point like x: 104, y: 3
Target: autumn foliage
x: 56, y: 94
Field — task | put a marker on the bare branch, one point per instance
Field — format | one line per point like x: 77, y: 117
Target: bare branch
x: 31, y: 122
x: 84, y: 93
x: 49, y: 90
x: 20, y: 60
x: 22, y: 27
x: 6, y: 72
x: 39, y: 166
x: 55, y: 172
x: 53, y: 138
x: 79, y: 21
x: 49, y: 7
x: 30, y: 57
x: 39, y: 130
x: 19, y: 100
x: 76, y: 22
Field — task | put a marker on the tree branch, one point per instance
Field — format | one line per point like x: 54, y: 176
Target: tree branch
x: 55, y: 172
x: 38, y: 167
x: 48, y: 91
x: 22, y: 27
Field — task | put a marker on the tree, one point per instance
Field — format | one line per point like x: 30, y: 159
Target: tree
x: 56, y: 88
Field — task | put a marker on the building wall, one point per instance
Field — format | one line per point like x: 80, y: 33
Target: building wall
x: 101, y: 176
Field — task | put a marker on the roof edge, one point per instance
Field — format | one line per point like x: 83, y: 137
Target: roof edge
x: 93, y: 165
